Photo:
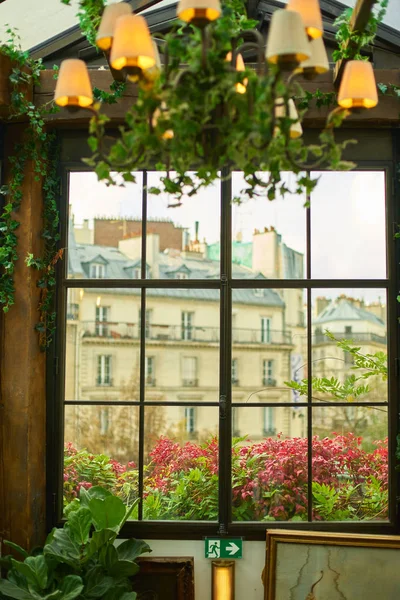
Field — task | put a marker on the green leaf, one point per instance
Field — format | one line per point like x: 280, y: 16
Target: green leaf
x: 100, y: 539
x: 97, y: 584
x: 39, y: 568
x: 13, y: 591
x: 108, y: 556
x: 80, y: 522
x: 124, y: 568
x: 131, y: 549
x: 108, y: 513
x: 17, y: 548
x: 63, y: 548
x: 71, y: 587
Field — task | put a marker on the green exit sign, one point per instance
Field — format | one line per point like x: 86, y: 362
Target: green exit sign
x: 223, y: 548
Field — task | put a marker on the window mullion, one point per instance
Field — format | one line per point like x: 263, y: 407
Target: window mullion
x: 225, y: 421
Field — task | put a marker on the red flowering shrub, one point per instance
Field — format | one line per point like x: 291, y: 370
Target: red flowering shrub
x: 269, y: 479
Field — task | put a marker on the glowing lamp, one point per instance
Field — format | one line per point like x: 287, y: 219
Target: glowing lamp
x: 111, y: 13
x: 73, y: 86
x: 223, y: 579
x: 132, y: 47
x: 311, y: 14
x: 240, y: 87
x: 318, y: 63
x: 287, y: 44
x: 198, y: 12
x: 296, y: 129
x: 358, y: 86
x: 153, y: 72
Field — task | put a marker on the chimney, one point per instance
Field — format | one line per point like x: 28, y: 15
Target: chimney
x: 267, y: 253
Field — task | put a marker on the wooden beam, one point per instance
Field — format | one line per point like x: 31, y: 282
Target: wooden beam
x: 359, y: 20
x: 23, y: 376
x: 386, y: 114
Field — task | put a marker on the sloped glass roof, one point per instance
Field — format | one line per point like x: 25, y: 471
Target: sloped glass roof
x: 49, y: 18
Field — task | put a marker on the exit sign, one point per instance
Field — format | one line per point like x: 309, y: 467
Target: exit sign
x: 223, y: 548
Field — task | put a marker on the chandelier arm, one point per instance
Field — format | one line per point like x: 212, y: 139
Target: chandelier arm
x: 261, y: 63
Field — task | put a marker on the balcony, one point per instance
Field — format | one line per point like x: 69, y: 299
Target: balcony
x: 104, y: 382
x: 269, y: 382
x: 150, y: 381
x: 362, y: 338
x: 190, y: 382
x: 176, y: 333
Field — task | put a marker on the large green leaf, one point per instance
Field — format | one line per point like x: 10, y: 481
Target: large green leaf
x: 100, y: 539
x: 97, y: 584
x: 94, y: 492
x: 39, y: 568
x: 124, y: 568
x: 63, y: 548
x: 79, y: 523
x: 129, y: 596
x: 108, y: 556
x: 131, y: 549
x: 17, y: 548
x: 107, y: 513
x: 13, y: 591
x: 71, y: 587
x: 34, y: 569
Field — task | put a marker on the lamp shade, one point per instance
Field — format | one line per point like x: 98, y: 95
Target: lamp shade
x: 318, y: 63
x: 111, y: 13
x: 287, y: 40
x: 296, y: 129
x: 311, y: 14
x: 73, y: 86
x: 240, y: 87
x: 199, y: 12
x: 153, y: 72
x: 132, y: 46
x: 358, y: 86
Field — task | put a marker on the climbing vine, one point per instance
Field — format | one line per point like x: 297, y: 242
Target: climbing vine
x: 350, y: 43
x: 35, y: 147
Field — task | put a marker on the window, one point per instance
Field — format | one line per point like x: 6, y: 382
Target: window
x: 104, y: 370
x: 187, y: 326
x: 163, y: 356
x: 190, y: 422
x: 102, y: 318
x: 265, y: 330
x: 181, y: 276
x: 268, y: 421
x: 149, y: 370
x: 97, y: 271
x: 104, y: 420
x: 189, y: 371
x: 235, y: 380
x: 268, y: 373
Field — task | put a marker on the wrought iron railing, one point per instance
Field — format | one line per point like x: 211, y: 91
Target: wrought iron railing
x: 176, y: 333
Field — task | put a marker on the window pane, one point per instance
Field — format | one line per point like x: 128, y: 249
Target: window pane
x: 102, y: 344
x: 269, y: 466
x: 348, y: 236
x: 182, y: 337
x: 269, y: 238
x: 105, y: 228
x: 101, y: 448
x: 350, y: 463
x: 181, y: 463
x: 269, y: 344
x: 349, y: 345
x: 183, y: 241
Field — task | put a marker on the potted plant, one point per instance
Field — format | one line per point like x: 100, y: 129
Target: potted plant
x: 80, y: 560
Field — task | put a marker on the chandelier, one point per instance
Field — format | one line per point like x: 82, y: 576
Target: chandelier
x: 202, y: 111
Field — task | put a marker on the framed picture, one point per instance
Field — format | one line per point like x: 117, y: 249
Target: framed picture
x: 165, y: 579
x: 328, y: 566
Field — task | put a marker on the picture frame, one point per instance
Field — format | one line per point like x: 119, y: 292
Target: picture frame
x: 165, y: 578
x: 304, y: 565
